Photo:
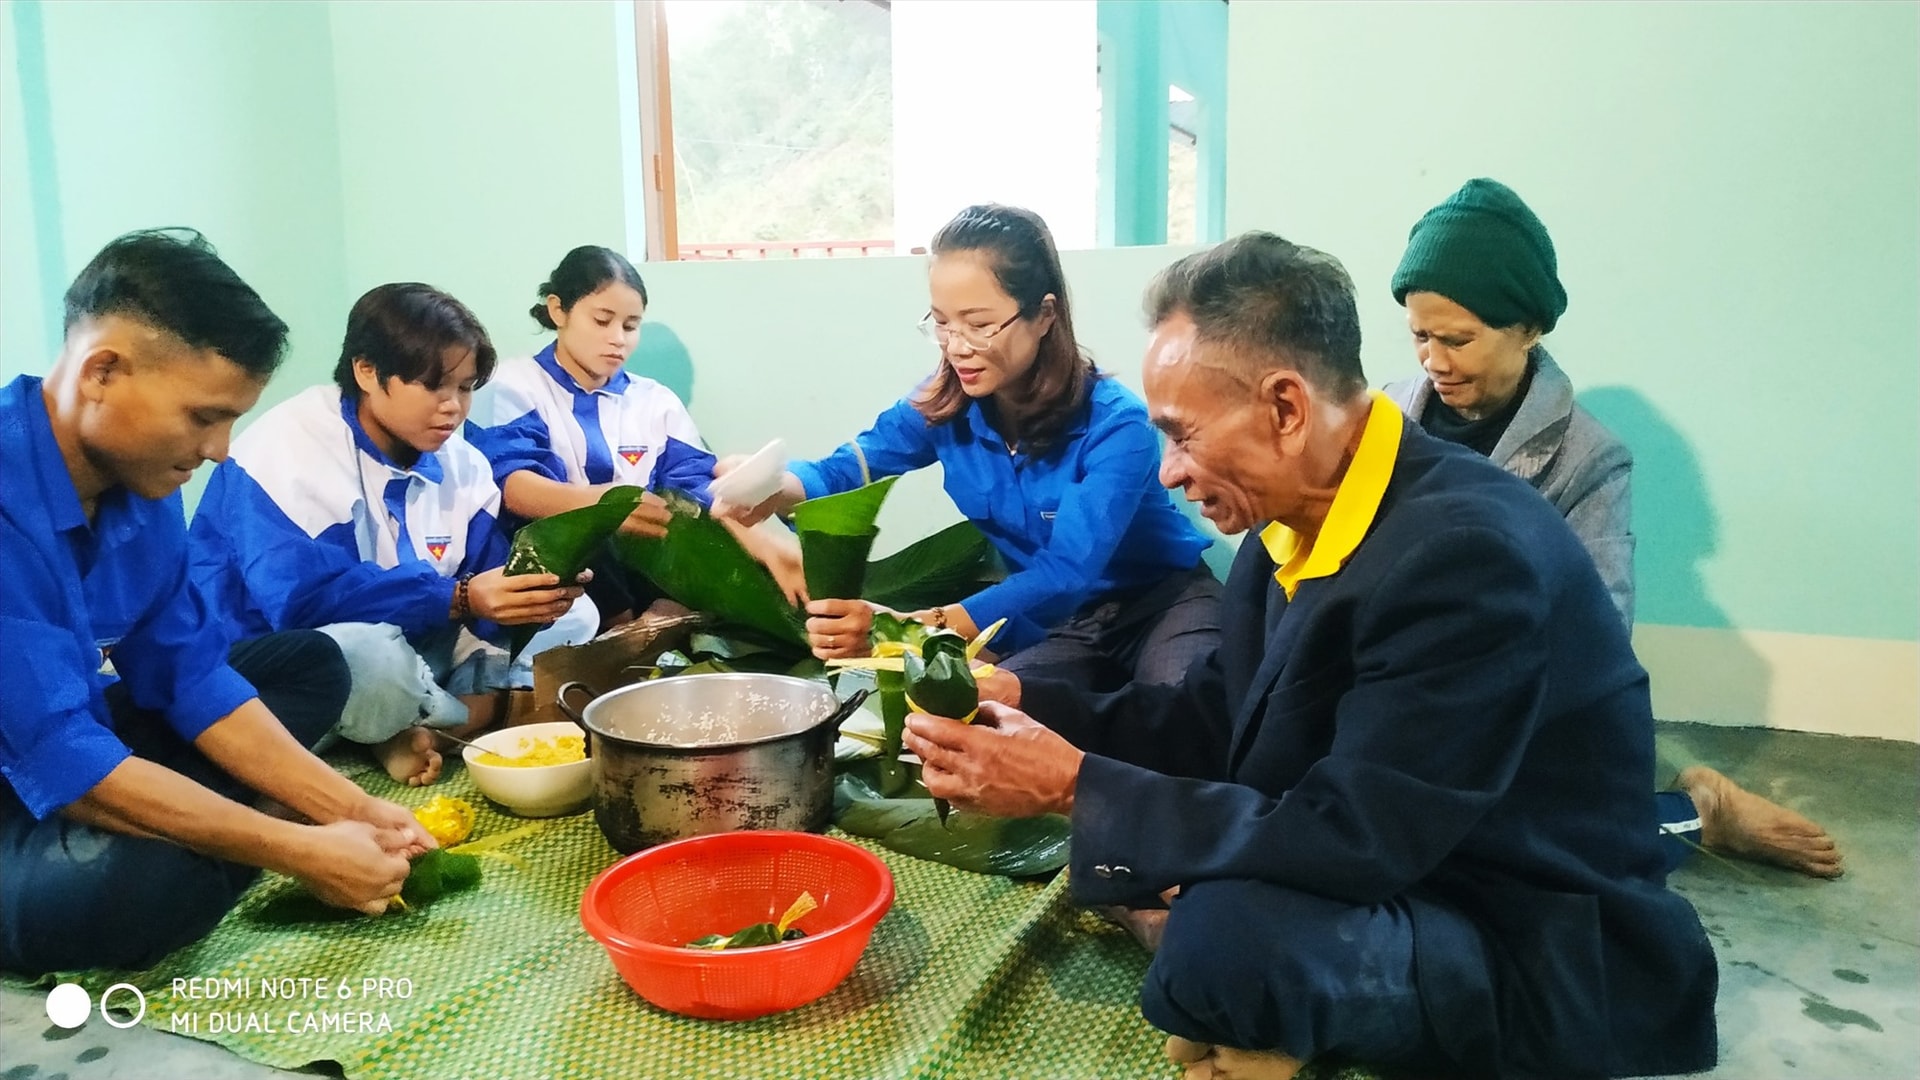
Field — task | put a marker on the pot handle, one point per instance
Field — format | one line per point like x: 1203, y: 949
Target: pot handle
x: 560, y: 699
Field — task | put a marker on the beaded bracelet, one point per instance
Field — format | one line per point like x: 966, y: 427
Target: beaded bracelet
x: 939, y: 618
x: 462, y: 603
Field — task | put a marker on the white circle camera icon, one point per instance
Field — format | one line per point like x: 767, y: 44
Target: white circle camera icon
x: 69, y: 1004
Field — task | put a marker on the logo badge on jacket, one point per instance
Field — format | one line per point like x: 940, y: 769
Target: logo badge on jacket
x: 633, y: 454
x: 437, y: 546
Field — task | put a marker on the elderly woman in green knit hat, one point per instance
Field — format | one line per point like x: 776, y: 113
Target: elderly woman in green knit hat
x: 1481, y: 287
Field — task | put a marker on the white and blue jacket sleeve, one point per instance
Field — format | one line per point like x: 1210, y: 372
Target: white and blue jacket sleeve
x: 632, y: 430
x: 307, y: 524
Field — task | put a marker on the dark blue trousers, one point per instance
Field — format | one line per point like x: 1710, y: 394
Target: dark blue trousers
x: 1257, y: 966
x: 1679, y: 826
x: 1151, y: 636
x: 74, y: 897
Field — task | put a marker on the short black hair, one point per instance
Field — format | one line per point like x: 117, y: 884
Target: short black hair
x: 405, y: 330
x: 1267, y: 297
x: 584, y: 271
x: 173, y: 280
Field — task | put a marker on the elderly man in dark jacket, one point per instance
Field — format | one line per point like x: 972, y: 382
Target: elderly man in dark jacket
x: 1405, y: 803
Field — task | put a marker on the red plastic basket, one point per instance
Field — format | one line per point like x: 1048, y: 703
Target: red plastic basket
x: 646, y: 907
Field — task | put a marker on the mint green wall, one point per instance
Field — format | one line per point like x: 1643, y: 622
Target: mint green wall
x: 27, y: 341
x: 1731, y: 187
x: 1732, y: 190
x: 323, y: 147
x: 478, y: 143
x: 217, y: 115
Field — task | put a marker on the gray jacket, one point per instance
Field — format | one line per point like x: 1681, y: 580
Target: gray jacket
x: 1567, y: 456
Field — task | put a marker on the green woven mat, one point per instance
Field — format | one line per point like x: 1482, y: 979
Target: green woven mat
x: 506, y: 983
x: 969, y: 977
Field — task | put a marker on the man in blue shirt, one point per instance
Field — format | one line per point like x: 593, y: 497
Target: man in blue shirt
x: 132, y: 746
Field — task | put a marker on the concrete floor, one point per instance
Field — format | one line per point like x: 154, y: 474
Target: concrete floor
x: 1817, y: 979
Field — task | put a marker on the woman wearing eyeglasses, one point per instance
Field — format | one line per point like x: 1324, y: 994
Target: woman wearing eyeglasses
x: 1053, y: 460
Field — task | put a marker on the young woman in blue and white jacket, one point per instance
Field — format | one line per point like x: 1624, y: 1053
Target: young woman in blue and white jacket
x: 571, y: 421
x: 364, y: 503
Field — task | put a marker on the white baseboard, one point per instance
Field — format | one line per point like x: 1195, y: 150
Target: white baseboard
x: 1801, y: 682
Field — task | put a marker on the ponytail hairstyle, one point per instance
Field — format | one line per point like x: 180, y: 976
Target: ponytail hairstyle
x: 586, y: 270
x: 1018, y: 247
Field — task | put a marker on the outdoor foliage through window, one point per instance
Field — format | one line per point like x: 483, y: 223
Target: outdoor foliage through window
x: 783, y: 119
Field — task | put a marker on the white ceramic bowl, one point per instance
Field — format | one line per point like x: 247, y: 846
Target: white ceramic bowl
x: 531, y: 790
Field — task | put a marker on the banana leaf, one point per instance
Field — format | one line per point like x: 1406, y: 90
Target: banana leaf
x: 565, y: 543
x: 762, y: 933
x: 939, y: 680
x: 437, y: 873
x: 434, y: 875
x: 701, y: 565
x: 836, y: 536
x: 835, y: 565
x: 944, y: 568
x: 724, y: 646
x: 1016, y: 847
x: 848, y: 513
x: 895, y: 777
x: 888, y: 627
x: 709, y: 652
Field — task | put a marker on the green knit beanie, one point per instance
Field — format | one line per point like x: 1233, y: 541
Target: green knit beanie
x: 1485, y: 250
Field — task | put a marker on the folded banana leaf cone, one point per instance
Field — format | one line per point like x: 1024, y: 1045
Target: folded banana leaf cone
x: 919, y: 669
x: 836, y: 535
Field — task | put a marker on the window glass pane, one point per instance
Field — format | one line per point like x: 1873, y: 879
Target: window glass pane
x: 805, y: 128
x: 782, y: 126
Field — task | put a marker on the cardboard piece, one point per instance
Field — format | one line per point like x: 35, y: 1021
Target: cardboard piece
x: 604, y: 663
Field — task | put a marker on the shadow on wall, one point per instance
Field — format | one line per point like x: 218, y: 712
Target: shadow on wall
x: 662, y: 357
x: 1676, y: 532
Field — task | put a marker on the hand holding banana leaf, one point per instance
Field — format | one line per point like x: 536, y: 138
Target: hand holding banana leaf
x: 1006, y: 764
x: 561, y: 545
x: 704, y: 563
x: 912, y: 662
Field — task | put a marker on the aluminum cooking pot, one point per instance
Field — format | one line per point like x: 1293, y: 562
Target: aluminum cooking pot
x: 698, y: 754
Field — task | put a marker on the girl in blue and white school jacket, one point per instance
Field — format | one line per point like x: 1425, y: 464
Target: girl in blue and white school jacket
x: 363, y: 503
x: 571, y: 421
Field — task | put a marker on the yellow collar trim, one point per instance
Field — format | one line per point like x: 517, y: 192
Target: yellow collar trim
x: 1354, y: 505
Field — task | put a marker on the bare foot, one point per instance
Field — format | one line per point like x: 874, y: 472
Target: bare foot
x: 1231, y: 1064
x: 1196, y: 1056
x: 1207, y: 1062
x: 1735, y: 821
x: 1145, y: 924
x: 410, y: 757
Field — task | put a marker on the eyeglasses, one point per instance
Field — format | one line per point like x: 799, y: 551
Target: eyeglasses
x: 976, y: 340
